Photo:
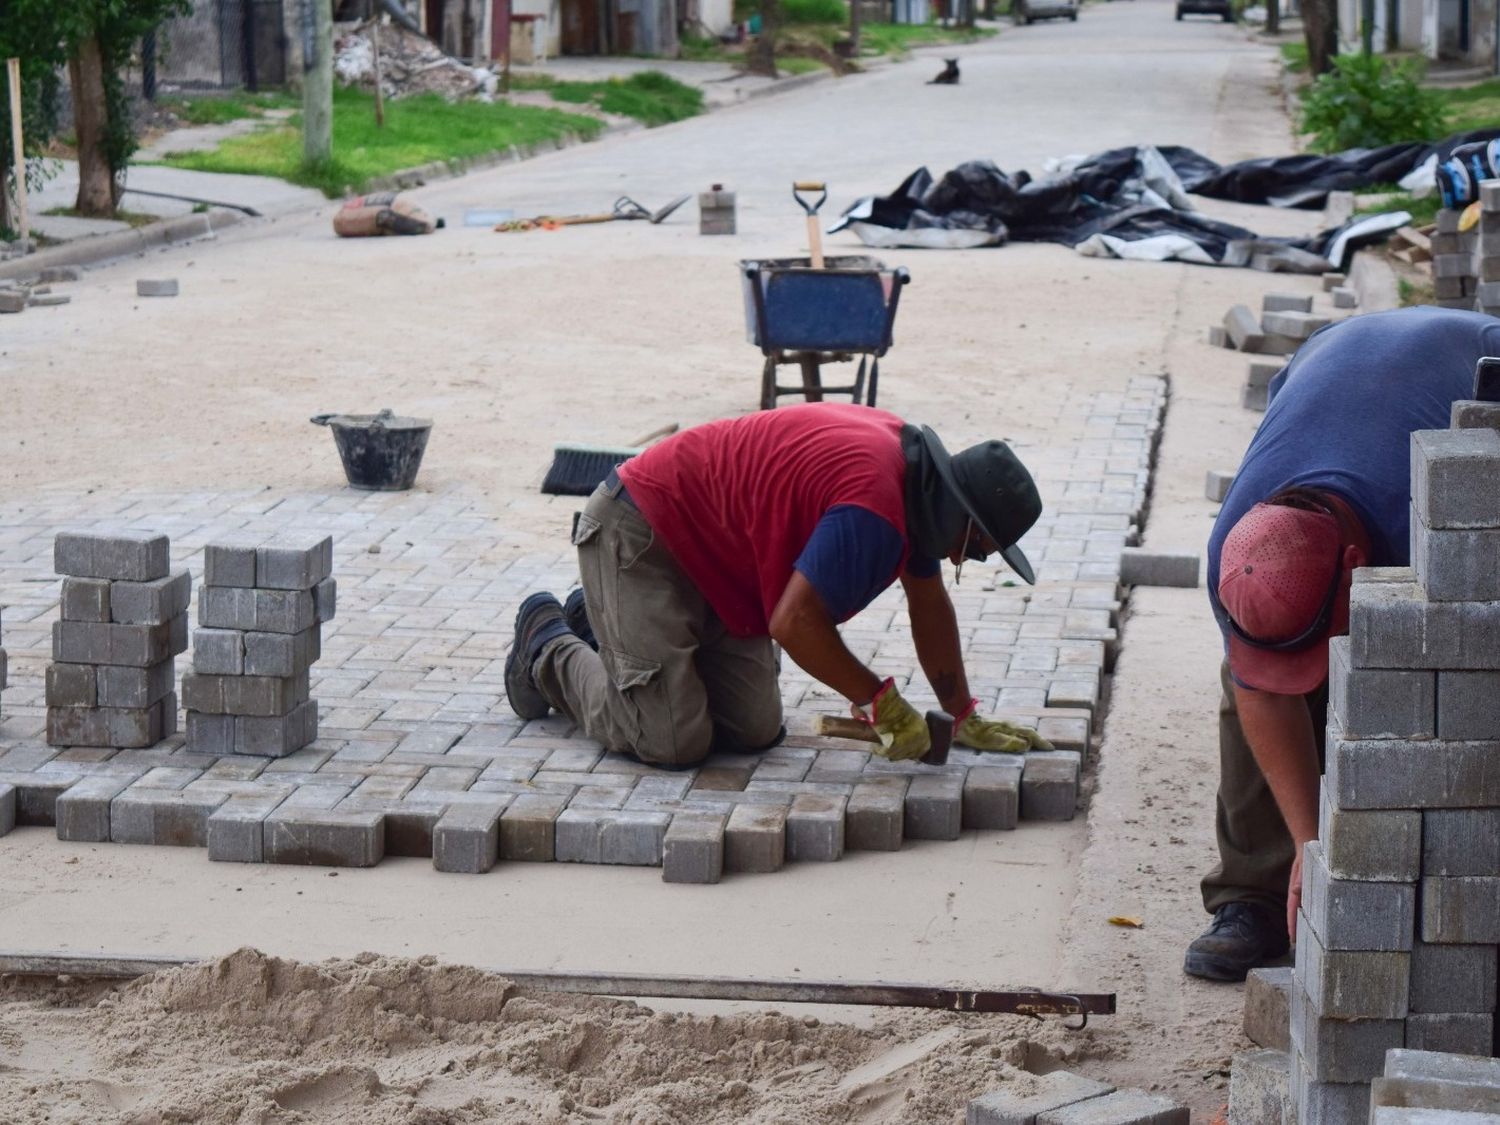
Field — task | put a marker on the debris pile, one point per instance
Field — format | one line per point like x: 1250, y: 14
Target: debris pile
x: 124, y: 619
x: 35, y: 291
x: 409, y: 64
x: 260, y: 616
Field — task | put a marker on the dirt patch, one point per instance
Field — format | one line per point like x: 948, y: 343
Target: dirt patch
x: 255, y: 1039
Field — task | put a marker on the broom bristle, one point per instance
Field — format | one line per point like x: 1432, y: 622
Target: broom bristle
x: 577, y: 470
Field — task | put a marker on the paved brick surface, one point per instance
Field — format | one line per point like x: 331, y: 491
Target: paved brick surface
x: 417, y: 752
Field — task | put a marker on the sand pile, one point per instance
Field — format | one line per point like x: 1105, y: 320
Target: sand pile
x: 255, y: 1040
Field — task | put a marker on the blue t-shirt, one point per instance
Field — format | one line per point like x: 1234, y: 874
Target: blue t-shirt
x: 851, y: 556
x: 1341, y: 417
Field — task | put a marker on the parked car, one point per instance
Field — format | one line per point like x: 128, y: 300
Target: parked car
x: 1024, y: 11
x: 1221, y: 8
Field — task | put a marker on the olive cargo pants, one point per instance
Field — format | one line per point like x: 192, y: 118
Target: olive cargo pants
x: 669, y: 683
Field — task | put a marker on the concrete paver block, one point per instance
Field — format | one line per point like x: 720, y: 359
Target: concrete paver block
x: 1048, y: 1092
x: 218, y: 652
x: 83, y: 810
x: 325, y: 599
x: 1391, y: 625
x: 1243, y: 328
x: 230, y: 562
x: 1254, y: 398
x: 1468, y: 705
x: 7, y: 809
x: 1453, y: 477
x: 1346, y: 914
x: 1352, y: 984
x: 1261, y: 373
x: 1333, y: 279
x: 1216, y: 484
x: 156, y: 287
x: 293, y: 562
x: 1049, y: 785
x: 281, y: 654
x: 1463, y: 910
x: 1461, y: 841
x: 85, y: 599
x: 1379, y: 702
x: 1259, y: 1087
x: 134, y: 646
x: 1472, y: 414
x: 1140, y: 567
x: 210, y: 734
x: 1459, y: 1033
x: 1123, y: 1107
x: 323, y: 837
x: 693, y: 848
x: 527, y: 828
x: 1378, y: 846
x: 1286, y: 302
x: 466, y: 839
x: 131, y: 556
x: 150, y: 603
x: 1452, y: 978
x: 127, y: 727
x: 1336, y: 1050
x: 276, y: 736
x: 235, y: 829
x: 1439, y: 1082
x: 1267, y: 1015
x: 755, y: 839
x: 815, y: 828
x: 875, y: 818
x: 71, y: 685
x: 1344, y: 297
x: 934, y: 807
x: 992, y: 795
x: 1456, y: 565
x: 1316, y: 1102
x: 1395, y: 773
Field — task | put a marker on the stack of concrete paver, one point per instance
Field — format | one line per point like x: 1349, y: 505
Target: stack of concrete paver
x: 1485, y: 251
x: 1455, y: 280
x: 124, y: 619
x: 260, y: 613
x: 1400, y: 926
x: 3, y: 669
x: 1064, y: 1098
x: 1435, y: 1088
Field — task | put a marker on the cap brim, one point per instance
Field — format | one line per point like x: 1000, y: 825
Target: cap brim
x: 1284, y: 673
x: 1018, y: 562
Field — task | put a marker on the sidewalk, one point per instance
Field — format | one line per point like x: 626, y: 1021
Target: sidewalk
x: 171, y: 193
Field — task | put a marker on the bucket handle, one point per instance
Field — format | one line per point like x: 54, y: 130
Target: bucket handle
x: 322, y: 419
x: 376, y: 423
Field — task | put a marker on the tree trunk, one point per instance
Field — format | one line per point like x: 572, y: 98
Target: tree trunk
x: 1320, y: 27
x: 761, y: 58
x: 1273, y: 17
x: 317, y: 84
x: 96, y: 194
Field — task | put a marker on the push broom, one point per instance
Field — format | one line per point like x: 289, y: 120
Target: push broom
x: 578, y: 469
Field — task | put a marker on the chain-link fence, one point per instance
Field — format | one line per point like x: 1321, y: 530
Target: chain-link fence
x: 222, y: 44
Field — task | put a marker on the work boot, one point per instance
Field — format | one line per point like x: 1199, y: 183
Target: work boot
x: 1242, y: 937
x: 539, y: 621
x: 577, y: 615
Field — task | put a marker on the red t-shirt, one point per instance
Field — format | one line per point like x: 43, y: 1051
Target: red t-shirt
x: 735, y: 501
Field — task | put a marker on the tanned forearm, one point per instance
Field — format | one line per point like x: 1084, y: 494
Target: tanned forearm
x: 934, y: 632
x: 1279, y: 730
x: 801, y: 626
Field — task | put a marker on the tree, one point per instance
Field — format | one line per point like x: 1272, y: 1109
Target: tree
x: 99, y: 36
x: 1320, y: 29
x: 761, y: 57
x: 27, y: 32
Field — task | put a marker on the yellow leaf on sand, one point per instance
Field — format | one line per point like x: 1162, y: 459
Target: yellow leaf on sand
x: 1129, y: 923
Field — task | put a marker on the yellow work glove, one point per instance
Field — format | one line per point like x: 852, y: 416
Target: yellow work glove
x: 902, y: 731
x: 995, y: 734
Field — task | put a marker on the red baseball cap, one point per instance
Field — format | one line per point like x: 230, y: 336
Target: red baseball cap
x: 1281, y: 577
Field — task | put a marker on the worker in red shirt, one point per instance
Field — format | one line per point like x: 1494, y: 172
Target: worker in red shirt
x: 700, y: 552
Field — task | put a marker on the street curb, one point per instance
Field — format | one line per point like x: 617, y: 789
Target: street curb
x: 102, y: 247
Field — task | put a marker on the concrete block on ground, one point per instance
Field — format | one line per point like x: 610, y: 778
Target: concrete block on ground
x: 85, y: 599
x: 1216, y: 484
x: 133, y: 556
x: 13, y: 301
x: 1123, y: 1107
x: 1346, y: 914
x: 293, y: 562
x: 693, y: 848
x: 934, y: 806
x: 466, y: 839
x: 164, y: 817
x: 627, y: 837
x: 1453, y: 477
x: 1439, y: 1081
x: 1261, y: 373
x: 1048, y: 1092
x: 1140, y: 567
x: 1452, y: 978
x: 1352, y: 984
x: 992, y: 795
x: 1218, y: 337
x: 527, y: 828
x: 815, y: 828
x: 1344, y: 298
x: 1376, y: 846
x: 1255, y: 398
x: 1468, y: 704
x: 1456, y: 565
x: 1336, y: 1050
x: 156, y: 287
x: 1460, y: 842
x: 1259, y: 1086
x: 210, y: 734
x: 875, y: 818
x: 1049, y: 785
x: 1278, y: 343
x: 755, y: 839
x: 1317, y: 1102
x: 276, y: 736
x: 82, y: 811
x: 150, y: 603
x: 1461, y: 910
x: 324, y: 837
x: 1243, y: 328
x: 236, y: 828
x: 7, y: 808
x: 1460, y: 1033
x: 1380, y: 702
x: 1332, y: 280
x: 1472, y: 414
x: 1267, y: 1015
x: 121, y: 727
x: 1286, y: 302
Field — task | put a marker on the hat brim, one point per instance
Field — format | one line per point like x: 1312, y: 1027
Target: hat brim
x: 1289, y: 673
x: 1014, y: 557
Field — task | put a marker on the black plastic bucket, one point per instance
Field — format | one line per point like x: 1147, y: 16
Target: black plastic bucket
x: 381, y: 452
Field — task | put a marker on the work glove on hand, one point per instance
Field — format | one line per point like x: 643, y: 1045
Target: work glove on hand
x: 902, y: 730
x: 994, y: 734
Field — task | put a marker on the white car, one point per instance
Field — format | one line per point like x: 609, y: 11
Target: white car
x: 1024, y: 11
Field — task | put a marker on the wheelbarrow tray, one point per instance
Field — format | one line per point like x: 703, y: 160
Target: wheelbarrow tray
x: 848, y: 306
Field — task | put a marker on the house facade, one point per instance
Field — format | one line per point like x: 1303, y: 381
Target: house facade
x: 1463, y: 33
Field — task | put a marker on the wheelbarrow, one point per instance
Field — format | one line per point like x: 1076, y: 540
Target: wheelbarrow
x: 797, y: 314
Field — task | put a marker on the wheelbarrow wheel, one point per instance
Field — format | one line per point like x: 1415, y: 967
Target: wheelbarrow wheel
x: 768, y: 384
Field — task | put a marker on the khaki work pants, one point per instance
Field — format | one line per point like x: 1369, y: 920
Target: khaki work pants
x: 1255, y: 849
x: 669, y: 683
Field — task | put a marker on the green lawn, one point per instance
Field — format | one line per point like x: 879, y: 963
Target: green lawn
x: 650, y: 97
x: 874, y: 39
x: 418, y: 130
x: 216, y: 109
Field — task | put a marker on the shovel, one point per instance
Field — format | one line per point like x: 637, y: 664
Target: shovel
x: 624, y: 208
x: 814, y: 235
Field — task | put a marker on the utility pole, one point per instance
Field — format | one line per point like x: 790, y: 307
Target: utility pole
x: 317, y: 81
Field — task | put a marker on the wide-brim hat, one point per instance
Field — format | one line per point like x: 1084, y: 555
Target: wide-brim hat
x: 995, y: 489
